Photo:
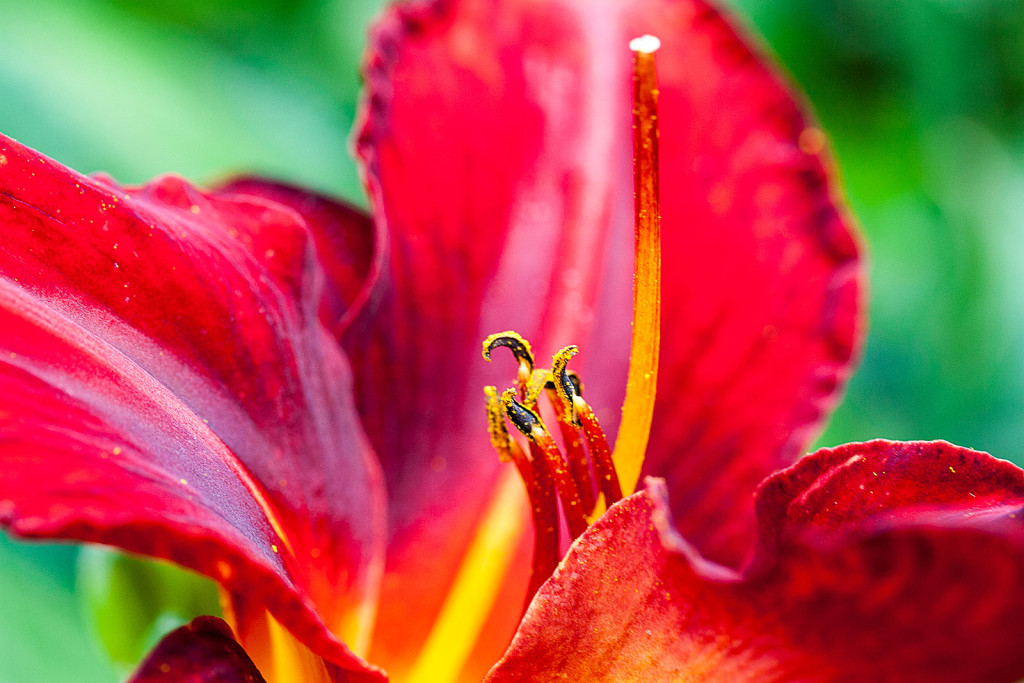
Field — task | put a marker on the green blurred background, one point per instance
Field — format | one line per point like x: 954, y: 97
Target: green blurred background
x: 923, y: 100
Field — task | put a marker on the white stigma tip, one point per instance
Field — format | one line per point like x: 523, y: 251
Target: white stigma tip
x: 646, y: 44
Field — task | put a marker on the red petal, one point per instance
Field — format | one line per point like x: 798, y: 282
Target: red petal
x: 933, y: 597
x: 205, y: 651
x: 881, y: 484
x: 497, y: 141
x: 761, y: 276
x: 346, y: 242
x: 496, y: 199
x: 168, y: 389
x: 201, y: 652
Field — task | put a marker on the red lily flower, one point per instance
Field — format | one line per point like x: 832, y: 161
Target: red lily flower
x: 172, y: 382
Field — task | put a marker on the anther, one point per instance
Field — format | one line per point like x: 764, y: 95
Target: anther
x: 521, y: 417
x: 564, y: 387
x: 519, y: 347
x: 577, y: 383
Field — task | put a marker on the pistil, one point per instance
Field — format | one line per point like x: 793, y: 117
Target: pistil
x: 641, y: 382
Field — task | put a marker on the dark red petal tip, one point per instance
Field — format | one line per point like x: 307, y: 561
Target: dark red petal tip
x: 203, y: 651
x: 866, y: 487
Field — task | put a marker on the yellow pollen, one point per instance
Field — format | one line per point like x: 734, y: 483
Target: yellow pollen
x: 558, y: 373
x: 496, y: 425
x: 519, y: 347
x: 538, y: 378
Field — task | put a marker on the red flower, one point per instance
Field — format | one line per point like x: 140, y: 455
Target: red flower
x: 172, y: 383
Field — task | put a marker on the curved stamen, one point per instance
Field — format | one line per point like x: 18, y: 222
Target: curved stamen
x: 579, y: 464
x: 600, y: 453
x: 500, y: 439
x: 519, y: 347
x: 583, y: 416
x: 566, y: 387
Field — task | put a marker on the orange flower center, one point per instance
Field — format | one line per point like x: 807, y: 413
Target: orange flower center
x: 588, y: 476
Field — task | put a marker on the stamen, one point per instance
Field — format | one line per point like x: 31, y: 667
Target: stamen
x: 597, y: 442
x: 641, y: 383
x: 519, y: 347
x: 539, y: 489
x: 563, y: 387
x: 500, y: 439
x: 545, y: 524
x: 530, y: 394
x: 531, y: 426
x: 600, y: 454
x: 579, y: 465
x: 566, y: 387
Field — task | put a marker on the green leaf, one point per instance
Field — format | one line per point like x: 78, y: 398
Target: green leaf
x: 133, y: 602
x: 41, y: 624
